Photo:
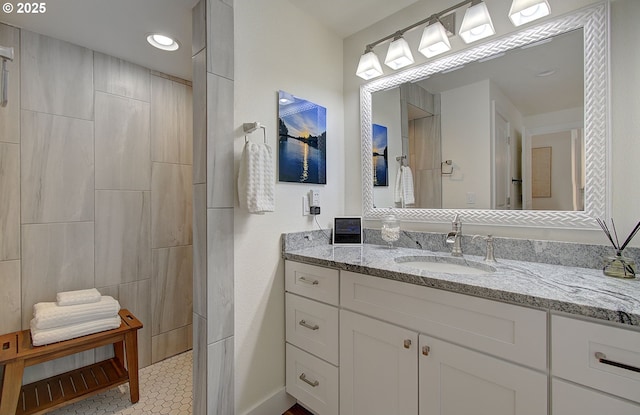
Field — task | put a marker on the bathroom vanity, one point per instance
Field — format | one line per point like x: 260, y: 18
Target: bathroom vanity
x: 369, y: 330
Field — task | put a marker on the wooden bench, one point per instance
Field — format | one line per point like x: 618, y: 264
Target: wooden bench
x: 17, y: 352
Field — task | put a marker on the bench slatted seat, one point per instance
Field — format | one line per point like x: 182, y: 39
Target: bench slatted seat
x: 17, y: 352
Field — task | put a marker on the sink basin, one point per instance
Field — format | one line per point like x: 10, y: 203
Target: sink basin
x: 449, y: 265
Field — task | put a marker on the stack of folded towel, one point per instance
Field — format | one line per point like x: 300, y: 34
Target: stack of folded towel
x: 74, y: 314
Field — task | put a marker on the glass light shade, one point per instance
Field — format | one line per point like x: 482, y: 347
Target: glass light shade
x: 369, y: 66
x: 525, y: 11
x: 476, y: 23
x: 399, y: 54
x: 434, y: 40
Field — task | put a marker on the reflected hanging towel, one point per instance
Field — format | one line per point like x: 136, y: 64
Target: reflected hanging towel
x: 404, y: 187
x: 256, y: 186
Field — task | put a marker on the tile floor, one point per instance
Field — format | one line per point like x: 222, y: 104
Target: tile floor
x: 165, y: 388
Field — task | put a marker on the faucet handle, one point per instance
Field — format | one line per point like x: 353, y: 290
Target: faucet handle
x: 489, y: 256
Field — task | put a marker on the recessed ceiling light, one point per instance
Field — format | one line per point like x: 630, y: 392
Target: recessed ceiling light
x: 162, y: 42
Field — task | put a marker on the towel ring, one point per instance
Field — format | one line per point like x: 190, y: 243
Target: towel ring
x: 250, y: 127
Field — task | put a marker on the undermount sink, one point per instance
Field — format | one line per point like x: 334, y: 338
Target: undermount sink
x: 449, y: 265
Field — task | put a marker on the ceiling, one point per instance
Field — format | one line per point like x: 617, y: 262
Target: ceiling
x: 118, y: 27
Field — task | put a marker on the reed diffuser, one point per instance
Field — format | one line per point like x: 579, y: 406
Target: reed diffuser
x: 618, y: 265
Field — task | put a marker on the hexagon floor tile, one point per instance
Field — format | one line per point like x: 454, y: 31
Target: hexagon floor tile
x: 166, y: 387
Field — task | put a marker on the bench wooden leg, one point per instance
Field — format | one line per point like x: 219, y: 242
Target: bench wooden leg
x: 131, y: 346
x: 11, y: 387
x: 118, y: 352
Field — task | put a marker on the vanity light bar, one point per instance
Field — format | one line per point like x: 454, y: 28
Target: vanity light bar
x: 476, y: 25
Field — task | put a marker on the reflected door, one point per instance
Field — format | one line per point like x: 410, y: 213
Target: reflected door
x: 502, y: 161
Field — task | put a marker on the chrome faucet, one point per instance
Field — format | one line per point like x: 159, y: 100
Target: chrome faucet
x: 489, y: 256
x: 454, y: 237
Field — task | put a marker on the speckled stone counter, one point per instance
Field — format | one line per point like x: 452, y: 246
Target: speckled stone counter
x: 579, y: 291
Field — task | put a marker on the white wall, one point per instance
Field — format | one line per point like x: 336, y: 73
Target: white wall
x: 625, y: 63
x: 466, y: 123
x: 277, y: 47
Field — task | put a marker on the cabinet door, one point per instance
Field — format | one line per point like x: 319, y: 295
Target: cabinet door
x: 455, y: 380
x: 378, y: 367
x: 569, y: 399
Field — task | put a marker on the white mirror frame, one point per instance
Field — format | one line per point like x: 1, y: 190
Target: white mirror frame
x: 594, y: 20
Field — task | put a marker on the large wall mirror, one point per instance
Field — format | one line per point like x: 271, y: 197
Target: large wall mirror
x: 511, y: 132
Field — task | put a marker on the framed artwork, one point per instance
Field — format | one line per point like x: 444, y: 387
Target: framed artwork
x: 380, y: 160
x: 302, y: 143
x: 541, y: 172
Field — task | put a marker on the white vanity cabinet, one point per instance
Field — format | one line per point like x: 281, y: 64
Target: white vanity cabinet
x: 311, y: 315
x: 603, y: 358
x: 410, y: 350
x: 378, y: 367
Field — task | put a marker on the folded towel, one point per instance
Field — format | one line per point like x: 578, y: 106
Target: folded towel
x: 404, y: 187
x: 40, y: 337
x: 256, y: 185
x: 78, y: 297
x: 51, y: 315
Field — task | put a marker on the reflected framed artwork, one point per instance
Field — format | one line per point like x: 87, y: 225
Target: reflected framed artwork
x: 380, y: 160
x: 302, y: 140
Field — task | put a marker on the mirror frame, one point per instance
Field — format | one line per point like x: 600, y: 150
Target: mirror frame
x: 594, y: 20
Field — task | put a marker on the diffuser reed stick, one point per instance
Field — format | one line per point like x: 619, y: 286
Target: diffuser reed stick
x: 619, y: 265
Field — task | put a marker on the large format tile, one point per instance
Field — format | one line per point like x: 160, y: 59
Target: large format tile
x: 171, y: 121
x: 200, y: 249
x: 200, y: 117
x: 10, y: 310
x: 57, y: 77
x: 136, y: 297
x: 57, y: 366
x: 220, y: 380
x: 120, y: 77
x: 57, y: 169
x: 198, y: 27
x: 199, y: 365
x: 171, y: 205
x: 10, y: 115
x: 171, y: 343
x: 220, y: 170
x: 10, y: 201
x: 172, y: 288
x: 219, y: 274
x: 220, y: 38
x: 123, y: 237
x: 55, y: 257
x: 122, y: 143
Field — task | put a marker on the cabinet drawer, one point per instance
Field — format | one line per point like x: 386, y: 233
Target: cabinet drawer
x: 504, y: 330
x: 312, y: 326
x: 596, y: 355
x: 312, y: 381
x: 319, y: 283
x: 570, y: 399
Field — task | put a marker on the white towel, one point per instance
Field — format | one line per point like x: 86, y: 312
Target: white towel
x: 256, y: 186
x: 40, y: 337
x: 51, y: 315
x: 404, y: 187
x: 66, y: 298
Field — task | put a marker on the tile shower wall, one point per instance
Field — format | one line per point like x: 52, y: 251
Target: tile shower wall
x: 96, y: 182
x: 213, y: 184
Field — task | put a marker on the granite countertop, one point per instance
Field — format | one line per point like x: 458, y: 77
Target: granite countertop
x: 580, y: 291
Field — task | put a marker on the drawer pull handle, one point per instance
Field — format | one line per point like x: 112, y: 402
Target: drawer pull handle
x: 313, y: 384
x: 407, y: 343
x: 303, y: 323
x: 602, y: 358
x: 307, y: 281
x: 426, y: 350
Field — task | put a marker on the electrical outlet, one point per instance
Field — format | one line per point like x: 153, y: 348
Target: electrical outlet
x: 305, y: 205
x: 471, y: 198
